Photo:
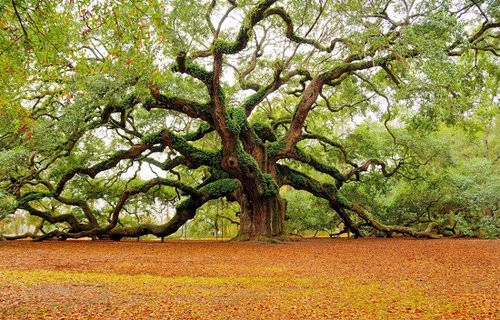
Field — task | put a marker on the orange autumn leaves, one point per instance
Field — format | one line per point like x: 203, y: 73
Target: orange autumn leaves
x: 309, y: 279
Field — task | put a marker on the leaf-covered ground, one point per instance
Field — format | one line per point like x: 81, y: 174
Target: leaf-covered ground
x: 309, y: 279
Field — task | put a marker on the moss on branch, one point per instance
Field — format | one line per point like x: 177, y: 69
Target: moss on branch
x: 245, y: 32
x: 264, y: 131
x: 236, y: 120
x: 31, y: 196
x: 274, y: 147
x: 202, y: 130
x: 194, y: 154
x: 220, y: 188
x: 187, y: 65
x: 152, y: 138
x: 321, y: 167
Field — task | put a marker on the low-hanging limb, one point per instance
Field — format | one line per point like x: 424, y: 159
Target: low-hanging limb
x: 430, y: 232
x: 329, y: 192
x: 185, y: 211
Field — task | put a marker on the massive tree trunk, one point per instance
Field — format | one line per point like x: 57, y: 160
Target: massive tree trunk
x: 261, y: 219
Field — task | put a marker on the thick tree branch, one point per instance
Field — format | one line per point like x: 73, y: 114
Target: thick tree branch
x: 190, y: 108
x: 475, y: 38
x: 185, y: 211
x: 301, y: 156
x: 389, y: 229
x: 143, y: 189
x: 300, y: 181
x: 255, y: 15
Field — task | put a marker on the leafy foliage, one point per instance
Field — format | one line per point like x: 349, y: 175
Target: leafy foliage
x: 111, y: 113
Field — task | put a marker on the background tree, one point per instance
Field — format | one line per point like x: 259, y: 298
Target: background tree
x: 106, y: 105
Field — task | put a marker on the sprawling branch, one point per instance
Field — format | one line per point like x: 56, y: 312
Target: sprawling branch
x: 375, y: 162
x: 84, y: 206
x: 75, y: 225
x: 186, y: 65
x: 300, y: 181
x: 185, y: 210
x: 142, y: 189
x: 133, y: 152
x: 290, y: 33
x: 332, y: 143
x: 473, y: 39
x: 389, y: 229
x: 301, y: 156
x: 190, y: 108
x: 255, y: 15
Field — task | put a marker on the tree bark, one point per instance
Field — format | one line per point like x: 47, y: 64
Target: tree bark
x: 262, y: 219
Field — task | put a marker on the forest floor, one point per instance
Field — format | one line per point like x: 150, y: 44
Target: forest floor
x: 368, y: 278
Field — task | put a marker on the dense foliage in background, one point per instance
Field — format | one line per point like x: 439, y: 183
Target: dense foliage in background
x: 127, y: 119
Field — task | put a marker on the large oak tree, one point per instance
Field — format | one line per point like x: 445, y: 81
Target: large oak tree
x: 105, y: 104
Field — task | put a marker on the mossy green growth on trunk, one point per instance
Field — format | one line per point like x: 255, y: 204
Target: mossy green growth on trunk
x: 269, y: 186
x: 236, y: 120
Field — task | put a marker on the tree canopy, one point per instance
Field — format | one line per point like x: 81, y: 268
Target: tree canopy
x: 110, y: 111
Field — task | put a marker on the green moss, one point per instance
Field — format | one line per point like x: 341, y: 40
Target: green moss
x: 205, y: 157
x: 343, y: 200
x: 201, y: 157
x: 236, y: 120
x: 255, y: 98
x: 232, y: 126
x: 264, y: 132
x: 330, y: 188
x: 321, y: 167
x: 274, y: 147
x: 198, y: 72
x: 297, y: 179
x: 188, y: 203
x: 31, y: 196
x: 238, y: 115
x: 316, y: 188
x: 203, y: 129
x: 152, y: 138
x: 338, y: 70
x: 245, y: 160
x: 220, y: 187
x: 220, y: 45
x: 217, y: 173
x: 256, y: 138
x: 111, y: 161
x: 222, y: 96
x: 260, y: 126
x: 269, y: 185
